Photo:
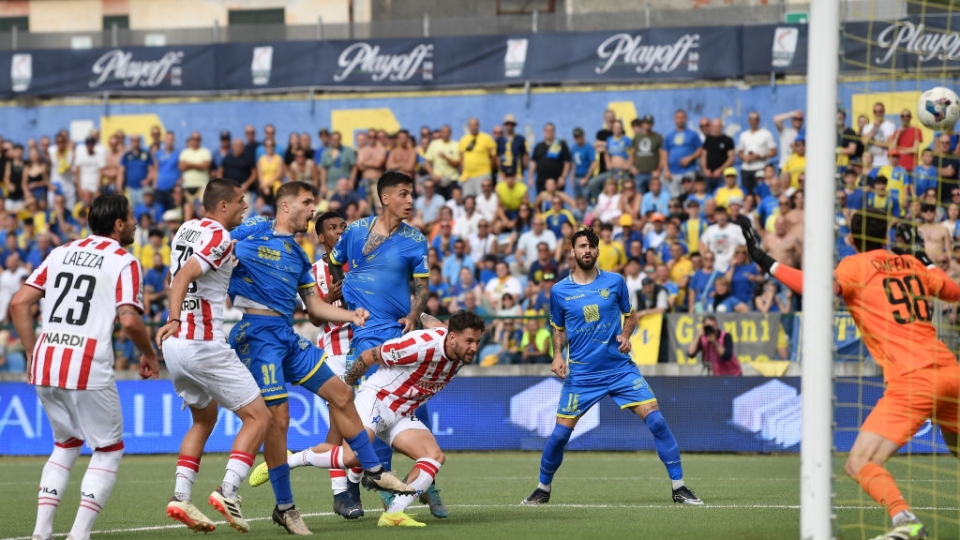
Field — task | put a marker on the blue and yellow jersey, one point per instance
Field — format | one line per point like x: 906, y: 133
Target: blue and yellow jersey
x: 272, y: 268
x: 690, y: 232
x: 380, y: 281
x: 591, y: 315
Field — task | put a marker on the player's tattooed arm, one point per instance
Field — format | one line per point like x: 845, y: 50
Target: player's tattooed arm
x: 360, y: 367
x: 429, y: 321
x: 373, y: 242
x: 629, y: 327
x: 421, y: 293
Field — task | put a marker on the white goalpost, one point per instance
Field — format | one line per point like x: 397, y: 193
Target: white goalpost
x: 816, y: 459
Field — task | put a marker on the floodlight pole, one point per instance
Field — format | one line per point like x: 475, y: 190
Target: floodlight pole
x: 816, y: 456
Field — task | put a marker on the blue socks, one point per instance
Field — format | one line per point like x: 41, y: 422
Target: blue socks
x: 280, y: 480
x: 360, y: 443
x: 667, y: 447
x: 553, y: 453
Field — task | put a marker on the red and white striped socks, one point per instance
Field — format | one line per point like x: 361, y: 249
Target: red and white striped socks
x: 238, y: 467
x: 428, y: 471
x: 96, y: 487
x: 187, y: 468
x: 53, y: 482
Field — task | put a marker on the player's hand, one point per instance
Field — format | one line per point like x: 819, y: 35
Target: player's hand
x: 360, y: 316
x: 334, y: 292
x: 559, y: 366
x: 149, y: 368
x: 912, y: 243
x: 166, y: 331
x: 409, y: 323
x: 753, y: 244
x: 625, y: 345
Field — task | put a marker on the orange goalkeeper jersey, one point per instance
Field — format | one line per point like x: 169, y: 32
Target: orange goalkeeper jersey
x: 891, y: 300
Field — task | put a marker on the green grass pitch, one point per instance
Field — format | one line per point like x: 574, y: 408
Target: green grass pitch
x: 596, y: 495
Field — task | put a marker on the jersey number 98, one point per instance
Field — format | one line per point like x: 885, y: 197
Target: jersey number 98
x: 908, y: 298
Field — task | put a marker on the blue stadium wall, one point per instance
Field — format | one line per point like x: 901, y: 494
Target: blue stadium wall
x: 567, y: 107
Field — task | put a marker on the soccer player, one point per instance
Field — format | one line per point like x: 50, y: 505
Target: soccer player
x: 384, y: 255
x: 887, y: 295
x: 82, y: 287
x: 586, y: 309
x: 204, y: 369
x: 335, y: 340
x: 272, y: 271
x: 412, y: 369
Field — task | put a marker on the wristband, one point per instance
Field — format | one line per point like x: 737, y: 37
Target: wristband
x: 174, y: 320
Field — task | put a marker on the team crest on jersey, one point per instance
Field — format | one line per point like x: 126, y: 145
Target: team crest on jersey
x: 303, y: 344
x: 218, y: 251
x: 604, y: 293
x: 286, y: 246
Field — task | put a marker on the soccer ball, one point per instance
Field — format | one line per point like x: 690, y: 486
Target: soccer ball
x: 938, y: 108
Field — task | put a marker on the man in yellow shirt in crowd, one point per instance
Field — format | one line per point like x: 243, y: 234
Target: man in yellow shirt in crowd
x: 443, y: 155
x: 681, y: 269
x: 795, y: 164
x: 511, y: 194
x: 729, y: 188
x: 156, y: 245
x: 612, y: 256
x: 194, y: 164
x: 478, y: 153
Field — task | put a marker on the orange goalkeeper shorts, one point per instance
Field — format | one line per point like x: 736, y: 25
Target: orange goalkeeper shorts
x: 910, y: 401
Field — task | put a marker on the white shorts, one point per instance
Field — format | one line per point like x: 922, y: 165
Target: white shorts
x: 93, y: 416
x: 337, y: 364
x: 209, y: 370
x: 384, y: 422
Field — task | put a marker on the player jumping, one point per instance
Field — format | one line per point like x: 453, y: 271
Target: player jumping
x: 587, y: 306
x: 272, y: 271
x: 887, y: 295
x: 82, y: 287
x: 384, y: 255
x: 204, y: 369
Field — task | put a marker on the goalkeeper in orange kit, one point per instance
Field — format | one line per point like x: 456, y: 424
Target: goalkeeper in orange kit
x: 889, y: 296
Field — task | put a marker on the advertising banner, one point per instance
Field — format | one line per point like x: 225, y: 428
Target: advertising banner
x: 755, y: 335
x: 707, y: 414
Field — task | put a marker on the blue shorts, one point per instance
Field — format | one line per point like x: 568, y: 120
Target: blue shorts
x: 276, y: 355
x: 370, y: 336
x: 627, y: 387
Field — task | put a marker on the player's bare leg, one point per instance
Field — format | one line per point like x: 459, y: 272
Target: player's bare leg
x: 667, y: 449
x: 950, y: 438
x: 181, y: 507
x: 343, y: 415
x: 226, y: 499
x: 420, y: 446
x: 865, y: 465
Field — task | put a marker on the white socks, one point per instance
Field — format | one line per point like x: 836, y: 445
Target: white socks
x: 331, y: 459
x: 238, y: 466
x: 53, y: 483
x: 428, y: 471
x: 95, y: 489
x: 187, y: 468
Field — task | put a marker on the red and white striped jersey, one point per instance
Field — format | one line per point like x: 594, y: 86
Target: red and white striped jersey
x: 201, y: 316
x: 334, y: 336
x: 415, y: 368
x: 84, y: 282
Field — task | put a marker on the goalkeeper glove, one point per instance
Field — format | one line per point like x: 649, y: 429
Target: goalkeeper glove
x: 912, y: 243
x: 760, y: 257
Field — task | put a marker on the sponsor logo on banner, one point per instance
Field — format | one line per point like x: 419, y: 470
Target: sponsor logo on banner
x: 914, y: 39
x: 261, y: 65
x: 121, y: 65
x: 516, y: 57
x: 366, y: 59
x: 657, y: 58
x: 21, y: 72
x: 784, y: 46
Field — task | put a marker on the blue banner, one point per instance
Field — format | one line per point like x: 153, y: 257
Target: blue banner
x: 706, y: 414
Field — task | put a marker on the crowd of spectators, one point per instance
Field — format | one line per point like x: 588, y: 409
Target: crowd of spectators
x: 498, y: 210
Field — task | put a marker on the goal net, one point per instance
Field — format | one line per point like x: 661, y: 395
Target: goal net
x: 891, y: 51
